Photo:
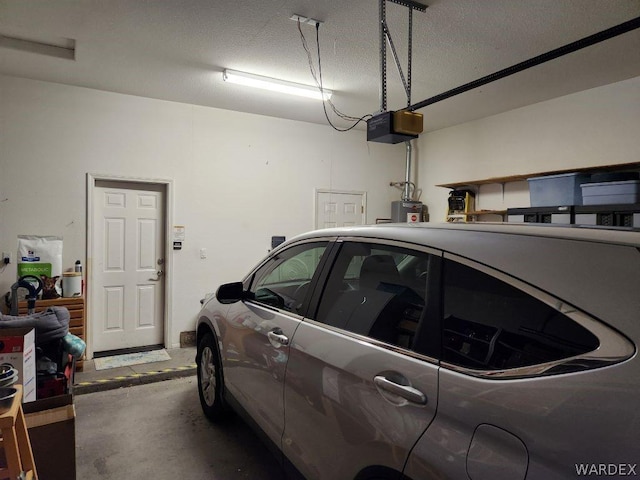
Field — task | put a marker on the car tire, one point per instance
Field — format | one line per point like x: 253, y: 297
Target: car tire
x: 210, y: 379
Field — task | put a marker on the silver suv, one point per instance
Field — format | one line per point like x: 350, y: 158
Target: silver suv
x: 424, y: 351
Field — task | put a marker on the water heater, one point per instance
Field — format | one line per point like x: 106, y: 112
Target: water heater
x: 400, y: 209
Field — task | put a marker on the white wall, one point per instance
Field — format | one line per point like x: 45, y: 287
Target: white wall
x: 238, y: 178
x: 596, y: 127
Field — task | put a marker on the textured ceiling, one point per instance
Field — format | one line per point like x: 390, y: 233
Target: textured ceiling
x: 176, y: 50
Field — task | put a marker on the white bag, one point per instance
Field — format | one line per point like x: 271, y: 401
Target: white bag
x: 39, y: 256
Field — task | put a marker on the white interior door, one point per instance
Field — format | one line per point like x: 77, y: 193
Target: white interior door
x: 339, y: 209
x: 128, y: 265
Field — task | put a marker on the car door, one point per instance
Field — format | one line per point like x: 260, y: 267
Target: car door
x: 256, y: 333
x: 518, y: 398
x: 357, y: 394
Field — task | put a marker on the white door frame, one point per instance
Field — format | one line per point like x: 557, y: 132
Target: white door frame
x: 348, y: 192
x: 92, y: 178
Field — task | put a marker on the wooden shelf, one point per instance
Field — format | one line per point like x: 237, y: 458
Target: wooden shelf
x: 464, y: 217
x: 517, y: 178
x: 478, y: 212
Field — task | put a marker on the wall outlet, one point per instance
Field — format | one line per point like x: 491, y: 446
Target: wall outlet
x: 6, y: 258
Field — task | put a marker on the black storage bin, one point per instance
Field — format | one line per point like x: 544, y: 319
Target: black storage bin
x: 623, y: 215
x: 556, y: 215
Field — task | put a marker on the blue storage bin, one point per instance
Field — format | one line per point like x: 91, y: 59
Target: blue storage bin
x: 557, y: 190
x: 605, y: 193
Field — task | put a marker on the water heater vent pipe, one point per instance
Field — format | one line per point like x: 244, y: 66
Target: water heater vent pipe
x: 406, y: 194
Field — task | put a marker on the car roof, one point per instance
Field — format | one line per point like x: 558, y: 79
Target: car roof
x: 407, y: 231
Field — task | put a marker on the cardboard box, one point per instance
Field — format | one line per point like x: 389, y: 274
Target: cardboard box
x: 17, y: 348
x: 52, y: 433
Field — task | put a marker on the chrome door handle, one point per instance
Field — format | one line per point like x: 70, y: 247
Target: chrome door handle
x: 409, y: 393
x: 277, y: 336
x: 159, y: 273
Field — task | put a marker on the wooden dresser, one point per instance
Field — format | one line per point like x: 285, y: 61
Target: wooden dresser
x: 75, y: 305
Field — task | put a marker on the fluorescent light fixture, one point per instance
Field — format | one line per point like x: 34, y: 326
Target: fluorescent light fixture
x: 51, y: 46
x: 275, y: 85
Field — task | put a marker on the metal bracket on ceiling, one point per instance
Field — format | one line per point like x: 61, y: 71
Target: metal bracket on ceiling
x: 308, y: 20
x: 385, y: 36
x: 410, y: 4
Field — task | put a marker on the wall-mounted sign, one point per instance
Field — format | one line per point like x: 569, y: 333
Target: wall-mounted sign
x: 178, y: 236
x: 178, y: 233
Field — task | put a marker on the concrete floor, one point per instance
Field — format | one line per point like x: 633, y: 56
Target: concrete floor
x: 181, y: 364
x: 158, y: 431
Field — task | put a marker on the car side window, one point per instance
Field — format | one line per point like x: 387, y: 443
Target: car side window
x: 377, y: 291
x: 283, y: 281
x: 491, y: 325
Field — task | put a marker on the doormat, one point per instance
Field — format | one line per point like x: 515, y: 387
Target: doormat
x: 128, y: 359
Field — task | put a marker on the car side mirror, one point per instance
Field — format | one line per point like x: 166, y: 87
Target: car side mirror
x: 230, y: 293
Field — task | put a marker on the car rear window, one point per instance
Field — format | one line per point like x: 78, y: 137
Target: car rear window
x: 491, y: 325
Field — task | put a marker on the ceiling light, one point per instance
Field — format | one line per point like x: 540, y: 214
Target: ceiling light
x: 275, y: 85
x: 51, y: 46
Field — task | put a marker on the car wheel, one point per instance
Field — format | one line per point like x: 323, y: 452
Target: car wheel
x: 210, y: 380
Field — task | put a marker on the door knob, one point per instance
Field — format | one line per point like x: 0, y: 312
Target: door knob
x: 159, y: 274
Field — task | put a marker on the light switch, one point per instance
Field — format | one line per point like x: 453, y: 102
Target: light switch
x: 203, y: 253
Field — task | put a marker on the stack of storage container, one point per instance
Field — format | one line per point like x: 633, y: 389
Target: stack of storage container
x: 611, y: 199
x: 608, y: 199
